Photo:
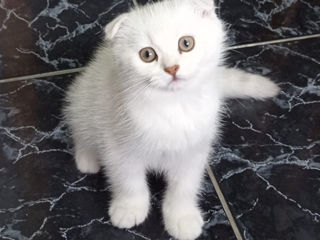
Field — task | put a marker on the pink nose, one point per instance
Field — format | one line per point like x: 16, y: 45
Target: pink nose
x: 172, y: 70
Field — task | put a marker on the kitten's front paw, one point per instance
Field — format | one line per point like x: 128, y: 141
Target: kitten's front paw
x: 264, y: 87
x: 185, y: 224
x: 127, y: 213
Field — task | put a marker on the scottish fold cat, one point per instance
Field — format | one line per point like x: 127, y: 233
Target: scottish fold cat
x: 151, y: 99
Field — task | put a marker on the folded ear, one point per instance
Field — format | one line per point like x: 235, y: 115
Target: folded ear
x: 205, y: 7
x: 204, y: 4
x: 113, y: 27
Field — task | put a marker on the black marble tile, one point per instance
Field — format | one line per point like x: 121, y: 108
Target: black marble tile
x: 43, y: 196
x: 268, y: 162
x: 49, y: 35
x: 255, y: 21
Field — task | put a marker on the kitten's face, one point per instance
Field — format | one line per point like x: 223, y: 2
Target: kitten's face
x: 168, y: 45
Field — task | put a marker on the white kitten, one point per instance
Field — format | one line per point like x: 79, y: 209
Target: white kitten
x: 150, y: 100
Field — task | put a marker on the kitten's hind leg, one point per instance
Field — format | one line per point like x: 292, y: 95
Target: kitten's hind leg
x: 86, y: 159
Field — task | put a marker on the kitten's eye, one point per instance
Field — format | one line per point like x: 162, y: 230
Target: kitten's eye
x: 186, y: 44
x: 148, y: 54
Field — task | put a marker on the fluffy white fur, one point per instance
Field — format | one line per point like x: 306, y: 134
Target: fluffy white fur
x: 129, y: 116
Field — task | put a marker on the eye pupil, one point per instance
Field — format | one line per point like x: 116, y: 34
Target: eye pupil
x: 148, y: 54
x: 186, y: 43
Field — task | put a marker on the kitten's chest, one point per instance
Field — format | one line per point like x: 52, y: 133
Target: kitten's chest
x: 176, y: 124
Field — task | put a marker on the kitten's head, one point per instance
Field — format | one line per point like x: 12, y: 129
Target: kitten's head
x: 166, y: 45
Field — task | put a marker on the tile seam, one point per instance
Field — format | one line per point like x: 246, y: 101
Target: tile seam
x: 76, y: 70
x: 135, y: 3
x: 43, y: 75
x: 285, y: 40
x: 224, y: 203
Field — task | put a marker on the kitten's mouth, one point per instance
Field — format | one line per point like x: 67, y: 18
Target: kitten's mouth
x: 175, y: 80
x: 175, y: 83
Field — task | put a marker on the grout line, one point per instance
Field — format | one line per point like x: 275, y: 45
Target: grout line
x: 274, y: 41
x: 42, y: 75
x: 76, y: 70
x: 224, y: 204
x: 135, y: 3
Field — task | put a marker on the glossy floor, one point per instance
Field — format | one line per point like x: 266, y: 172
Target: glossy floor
x: 267, y: 163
